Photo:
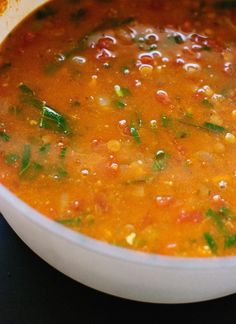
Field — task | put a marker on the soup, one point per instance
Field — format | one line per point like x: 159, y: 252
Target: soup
x: 118, y: 120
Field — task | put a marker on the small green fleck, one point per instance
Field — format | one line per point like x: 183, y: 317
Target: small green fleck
x: 37, y: 167
x: 161, y: 160
x: 63, y: 153
x: 230, y: 241
x: 207, y: 103
x: 45, y: 148
x: 120, y: 104
x: 5, y: 137
x: 25, y: 163
x: 216, y: 217
x: 121, y: 92
x: 211, y: 242
x: 60, y: 173
x: 135, y: 133
x: 69, y: 221
x: 214, y: 128
x: 25, y: 89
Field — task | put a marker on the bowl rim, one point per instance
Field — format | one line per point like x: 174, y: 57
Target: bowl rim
x: 109, y: 250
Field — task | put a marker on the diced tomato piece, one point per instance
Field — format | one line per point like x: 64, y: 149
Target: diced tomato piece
x: 147, y: 59
x: 105, y: 42
x: 193, y: 216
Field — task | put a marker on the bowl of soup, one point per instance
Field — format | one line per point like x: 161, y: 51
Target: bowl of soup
x: 118, y: 142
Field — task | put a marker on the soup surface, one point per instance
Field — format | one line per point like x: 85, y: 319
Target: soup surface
x: 118, y: 120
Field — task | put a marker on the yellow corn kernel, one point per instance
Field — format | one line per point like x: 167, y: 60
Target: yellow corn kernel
x: 114, y: 145
x: 230, y: 138
x: 234, y: 114
x: 33, y: 122
x: 146, y: 69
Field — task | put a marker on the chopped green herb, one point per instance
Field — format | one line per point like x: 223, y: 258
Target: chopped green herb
x: 120, y: 104
x: 25, y: 163
x: 135, y: 133
x: 214, y: 128
x: 50, y: 119
x: 206, y: 126
x: 207, y: 103
x: 230, y: 241
x: 121, y: 92
x: 32, y: 101
x: 227, y: 213
x: 5, y: 137
x: 69, y: 221
x: 11, y: 158
x: 61, y: 173
x: 216, y: 217
x: 25, y: 89
x: 37, y: 167
x: 78, y: 15
x: 63, y: 152
x: 188, y: 115
x: 211, y: 242
x: 45, y: 148
x: 161, y: 160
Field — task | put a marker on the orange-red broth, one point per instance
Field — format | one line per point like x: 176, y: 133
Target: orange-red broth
x: 117, y: 119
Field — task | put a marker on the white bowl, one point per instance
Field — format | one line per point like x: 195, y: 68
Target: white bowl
x: 117, y: 271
